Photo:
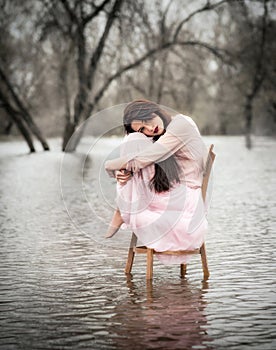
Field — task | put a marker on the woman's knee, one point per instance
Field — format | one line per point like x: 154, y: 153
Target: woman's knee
x: 137, y: 136
x: 134, y: 142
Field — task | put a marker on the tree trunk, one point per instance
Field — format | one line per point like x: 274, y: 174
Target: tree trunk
x: 24, y: 112
x: 75, y: 138
x: 35, y: 130
x: 258, y: 78
x: 8, y: 127
x: 21, y: 127
x: 24, y: 131
x: 17, y: 119
x: 67, y: 136
x: 73, y: 135
x: 248, y: 121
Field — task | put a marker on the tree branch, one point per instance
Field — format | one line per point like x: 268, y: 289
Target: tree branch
x: 97, y: 10
x: 97, y: 53
x: 70, y: 12
x: 260, y: 68
x: 136, y: 86
x: 151, y: 52
x: 206, y: 7
x: 213, y: 49
x: 163, y: 29
x: 55, y: 22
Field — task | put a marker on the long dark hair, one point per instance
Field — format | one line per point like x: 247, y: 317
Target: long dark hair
x: 167, y: 171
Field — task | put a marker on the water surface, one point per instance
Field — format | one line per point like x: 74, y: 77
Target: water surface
x: 63, y: 287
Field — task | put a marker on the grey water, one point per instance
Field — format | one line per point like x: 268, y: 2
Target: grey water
x: 62, y: 286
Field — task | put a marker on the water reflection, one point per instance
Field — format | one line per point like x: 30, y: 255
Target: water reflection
x: 162, y: 315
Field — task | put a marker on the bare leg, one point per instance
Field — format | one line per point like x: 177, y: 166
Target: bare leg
x: 115, y: 224
x: 136, y: 142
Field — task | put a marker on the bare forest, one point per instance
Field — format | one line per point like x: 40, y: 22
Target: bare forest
x: 63, y: 60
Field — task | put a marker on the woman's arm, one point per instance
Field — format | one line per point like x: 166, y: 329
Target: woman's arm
x: 179, y: 132
x: 115, y: 164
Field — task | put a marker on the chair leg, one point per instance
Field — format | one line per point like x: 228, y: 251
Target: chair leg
x: 149, y: 263
x: 130, y: 259
x: 203, y: 254
x: 183, y: 269
x: 131, y: 253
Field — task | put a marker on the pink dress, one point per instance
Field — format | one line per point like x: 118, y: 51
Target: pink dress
x: 172, y: 220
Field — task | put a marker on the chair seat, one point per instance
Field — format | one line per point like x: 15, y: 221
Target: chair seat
x: 143, y: 249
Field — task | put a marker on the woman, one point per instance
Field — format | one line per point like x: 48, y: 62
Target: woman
x: 159, y: 175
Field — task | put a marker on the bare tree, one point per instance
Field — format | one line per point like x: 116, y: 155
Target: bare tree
x: 258, y: 76
x: 22, y: 112
x: 78, y: 17
x: 251, y: 56
x: 12, y: 97
x: 17, y: 119
x: 88, y: 65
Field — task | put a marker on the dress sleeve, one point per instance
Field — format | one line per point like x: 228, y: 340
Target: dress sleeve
x: 115, y: 164
x: 181, y: 131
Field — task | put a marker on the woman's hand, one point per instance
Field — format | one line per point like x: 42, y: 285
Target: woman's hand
x: 123, y: 176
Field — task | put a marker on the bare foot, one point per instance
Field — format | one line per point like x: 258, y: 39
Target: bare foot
x: 115, y: 224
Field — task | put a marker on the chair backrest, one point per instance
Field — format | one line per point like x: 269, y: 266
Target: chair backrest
x: 207, y: 171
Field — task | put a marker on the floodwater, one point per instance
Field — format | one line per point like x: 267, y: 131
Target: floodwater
x: 62, y: 286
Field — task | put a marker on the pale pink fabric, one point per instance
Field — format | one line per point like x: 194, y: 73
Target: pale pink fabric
x: 172, y: 220
x: 183, y: 139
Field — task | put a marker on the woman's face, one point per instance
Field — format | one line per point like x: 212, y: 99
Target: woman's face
x: 150, y: 127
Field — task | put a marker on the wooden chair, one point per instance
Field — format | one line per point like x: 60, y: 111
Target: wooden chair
x: 150, y: 252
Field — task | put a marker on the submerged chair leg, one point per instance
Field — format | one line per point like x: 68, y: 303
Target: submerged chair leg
x: 206, y: 273
x: 149, y: 263
x: 131, y: 254
x: 183, y: 269
x: 130, y: 259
